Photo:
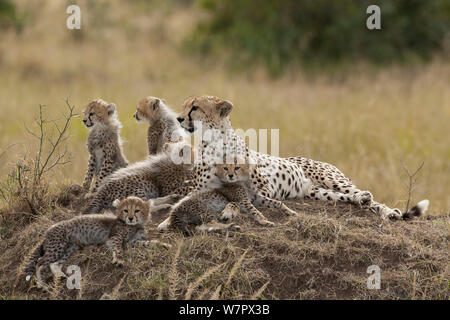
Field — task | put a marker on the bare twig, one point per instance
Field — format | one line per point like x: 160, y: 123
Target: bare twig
x: 28, y: 173
x: 412, y: 180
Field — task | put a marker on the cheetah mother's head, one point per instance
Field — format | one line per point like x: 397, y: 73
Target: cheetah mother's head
x: 207, y: 112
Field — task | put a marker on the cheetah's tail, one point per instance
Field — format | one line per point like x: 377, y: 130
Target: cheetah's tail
x: 417, y: 210
x: 30, y: 267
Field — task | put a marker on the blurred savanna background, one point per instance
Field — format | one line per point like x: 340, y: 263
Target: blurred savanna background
x: 370, y: 102
x: 364, y: 100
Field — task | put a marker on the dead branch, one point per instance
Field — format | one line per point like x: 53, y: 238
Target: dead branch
x: 411, y: 181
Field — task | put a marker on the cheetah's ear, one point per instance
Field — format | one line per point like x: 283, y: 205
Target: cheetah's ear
x: 224, y: 107
x: 111, y: 108
x: 166, y: 147
x: 115, y: 204
x: 155, y: 105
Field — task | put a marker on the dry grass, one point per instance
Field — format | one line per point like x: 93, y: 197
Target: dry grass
x: 321, y: 254
x: 364, y: 121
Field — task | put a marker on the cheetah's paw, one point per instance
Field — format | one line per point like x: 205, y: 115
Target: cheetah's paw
x: 227, y: 215
x: 365, y: 199
x: 266, y: 223
x: 118, y: 263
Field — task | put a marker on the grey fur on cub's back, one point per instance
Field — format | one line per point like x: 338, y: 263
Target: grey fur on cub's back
x: 163, y: 126
x: 158, y: 176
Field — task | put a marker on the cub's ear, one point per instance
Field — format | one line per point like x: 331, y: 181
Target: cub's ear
x: 111, y: 108
x: 155, y: 105
x: 224, y: 107
x: 116, y: 203
x: 166, y: 147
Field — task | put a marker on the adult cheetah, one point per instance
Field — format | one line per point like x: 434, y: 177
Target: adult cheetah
x: 271, y: 177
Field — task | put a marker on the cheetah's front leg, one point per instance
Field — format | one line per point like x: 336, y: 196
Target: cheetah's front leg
x: 232, y: 209
x: 214, y: 226
x: 153, y: 137
x: 115, y: 244
x: 105, y: 171
x: 263, y: 201
x: 89, y: 174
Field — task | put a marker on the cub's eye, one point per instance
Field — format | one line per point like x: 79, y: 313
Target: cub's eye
x: 236, y: 168
x: 137, y: 211
x: 225, y: 168
x: 194, y: 108
x: 91, y: 114
x: 125, y: 211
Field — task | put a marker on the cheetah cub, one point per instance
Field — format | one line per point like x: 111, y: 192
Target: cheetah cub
x: 163, y: 125
x: 234, y: 180
x: 104, y: 143
x: 197, y: 212
x: 63, y: 239
x: 158, y: 177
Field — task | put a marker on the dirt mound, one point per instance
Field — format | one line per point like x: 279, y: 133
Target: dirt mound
x: 323, y: 253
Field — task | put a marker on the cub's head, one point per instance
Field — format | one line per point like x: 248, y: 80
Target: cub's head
x: 133, y: 211
x: 99, y: 112
x: 149, y: 109
x: 233, y: 172
x: 211, y: 111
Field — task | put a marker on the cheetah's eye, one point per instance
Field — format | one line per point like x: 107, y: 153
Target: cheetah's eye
x: 236, y: 168
x: 194, y: 108
x: 137, y: 211
x: 225, y: 168
x: 125, y: 211
x: 91, y: 114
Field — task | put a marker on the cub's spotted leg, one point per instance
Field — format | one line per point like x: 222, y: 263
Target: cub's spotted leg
x: 263, y: 201
x: 158, y: 243
x: 250, y: 209
x: 106, y: 170
x: 139, y: 240
x: 115, y: 245
x: 214, y: 226
x: 153, y: 136
x: 50, y: 261
x: 89, y: 174
x: 56, y: 267
x: 170, y: 199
